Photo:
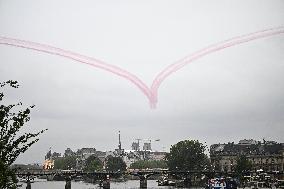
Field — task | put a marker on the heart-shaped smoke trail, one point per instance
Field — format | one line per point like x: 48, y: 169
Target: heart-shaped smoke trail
x: 150, y: 92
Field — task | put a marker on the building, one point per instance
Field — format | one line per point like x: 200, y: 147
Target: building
x: 84, y: 153
x: 135, y: 146
x: 49, y: 161
x: 158, y: 156
x: 68, y: 152
x: 147, y: 146
x: 128, y: 156
x: 48, y: 164
x: 266, y: 155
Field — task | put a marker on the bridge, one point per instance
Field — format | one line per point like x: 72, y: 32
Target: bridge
x: 104, y: 176
x: 68, y: 175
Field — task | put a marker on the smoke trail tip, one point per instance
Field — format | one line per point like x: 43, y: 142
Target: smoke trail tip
x: 153, y: 105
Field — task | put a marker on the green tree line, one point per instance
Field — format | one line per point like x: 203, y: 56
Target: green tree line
x: 150, y: 164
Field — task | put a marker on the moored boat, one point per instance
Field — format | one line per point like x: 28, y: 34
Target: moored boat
x: 216, y: 183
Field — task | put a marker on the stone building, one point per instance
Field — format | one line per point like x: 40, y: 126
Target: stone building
x: 49, y: 160
x: 266, y: 155
x: 158, y: 156
x: 48, y: 164
x: 69, y: 152
x: 84, y: 153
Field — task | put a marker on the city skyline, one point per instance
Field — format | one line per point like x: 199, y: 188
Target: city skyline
x: 130, y: 147
x: 226, y: 96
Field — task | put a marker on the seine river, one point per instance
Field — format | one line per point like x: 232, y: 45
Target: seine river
x: 81, y: 185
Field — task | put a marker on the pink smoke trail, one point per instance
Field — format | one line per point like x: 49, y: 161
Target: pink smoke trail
x: 150, y: 93
x: 208, y: 50
x: 79, y: 58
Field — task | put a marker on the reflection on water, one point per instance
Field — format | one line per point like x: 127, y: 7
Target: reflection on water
x: 131, y: 184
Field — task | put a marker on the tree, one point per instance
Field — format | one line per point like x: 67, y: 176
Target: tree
x: 93, y: 163
x: 243, y: 166
x: 115, y: 164
x: 150, y: 164
x: 12, y: 143
x: 187, y: 155
x: 68, y: 162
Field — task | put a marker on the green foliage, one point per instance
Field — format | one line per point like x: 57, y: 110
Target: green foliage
x: 115, y: 164
x: 150, y: 164
x: 243, y: 166
x: 93, y: 163
x: 12, y: 119
x: 68, y: 162
x: 187, y: 155
x: 25, y: 167
x: 7, y: 177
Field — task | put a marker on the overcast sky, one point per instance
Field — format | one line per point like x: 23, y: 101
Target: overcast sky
x: 230, y: 95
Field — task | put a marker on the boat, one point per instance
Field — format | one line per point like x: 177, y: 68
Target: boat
x: 259, y: 184
x: 78, y: 179
x: 25, y: 179
x: 260, y: 181
x: 279, y: 184
x: 165, y: 181
x: 216, y: 183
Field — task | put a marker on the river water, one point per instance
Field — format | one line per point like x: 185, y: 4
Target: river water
x: 131, y: 184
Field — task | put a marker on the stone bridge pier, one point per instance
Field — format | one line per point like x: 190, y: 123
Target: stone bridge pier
x: 143, y: 178
x: 29, y: 186
x: 106, y: 183
x: 68, y: 182
x: 143, y: 181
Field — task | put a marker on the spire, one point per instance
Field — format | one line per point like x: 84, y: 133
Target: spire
x: 119, y: 142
